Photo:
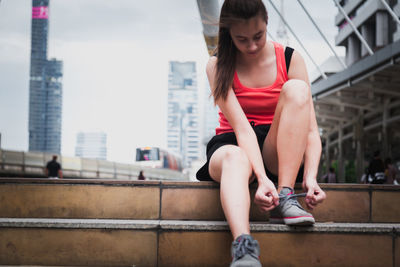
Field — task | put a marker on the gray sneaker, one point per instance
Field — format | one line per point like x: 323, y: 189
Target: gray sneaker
x: 245, y: 252
x: 289, y: 211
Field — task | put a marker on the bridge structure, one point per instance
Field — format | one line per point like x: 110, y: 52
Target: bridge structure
x: 358, y: 106
x: 32, y: 165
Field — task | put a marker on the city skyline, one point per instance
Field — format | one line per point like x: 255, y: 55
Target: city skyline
x: 115, y: 66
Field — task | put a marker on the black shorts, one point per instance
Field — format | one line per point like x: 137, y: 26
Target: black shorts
x: 217, y: 141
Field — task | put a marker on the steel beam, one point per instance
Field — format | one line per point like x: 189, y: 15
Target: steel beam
x: 298, y: 40
x: 323, y: 35
x: 391, y: 12
x: 209, y: 13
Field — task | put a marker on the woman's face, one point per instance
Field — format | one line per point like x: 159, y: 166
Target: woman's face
x: 249, y: 36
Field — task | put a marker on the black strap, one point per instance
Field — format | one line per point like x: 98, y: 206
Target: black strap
x: 288, y: 57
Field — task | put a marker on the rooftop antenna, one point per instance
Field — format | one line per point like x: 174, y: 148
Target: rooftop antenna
x: 281, y: 32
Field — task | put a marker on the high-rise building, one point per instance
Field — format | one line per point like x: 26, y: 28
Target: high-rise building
x: 45, y: 87
x: 91, y: 145
x: 183, y: 135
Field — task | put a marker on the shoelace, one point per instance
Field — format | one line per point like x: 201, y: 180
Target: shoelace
x: 245, y: 246
x: 292, y: 199
x: 294, y: 195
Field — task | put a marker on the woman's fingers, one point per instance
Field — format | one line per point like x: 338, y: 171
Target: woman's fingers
x: 311, y: 204
x: 263, y: 200
x: 274, y: 197
x: 314, y: 197
x: 266, y: 196
x: 266, y: 202
x: 265, y: 207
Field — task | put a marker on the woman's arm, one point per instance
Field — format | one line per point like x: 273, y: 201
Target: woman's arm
x: 246, y: 139
x: 312, y: 153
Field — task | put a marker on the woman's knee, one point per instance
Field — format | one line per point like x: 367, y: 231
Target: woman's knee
x: 236, y: 154
x: 235, y: 157
x: 297, y: 92
x: 228, y: 158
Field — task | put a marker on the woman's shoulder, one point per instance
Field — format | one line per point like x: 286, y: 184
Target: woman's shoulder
x: 212, y: 60
x: 276, y: 46
x: 298, y: 69
x: 211, y: 64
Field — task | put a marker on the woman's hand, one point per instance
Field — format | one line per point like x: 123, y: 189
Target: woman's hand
x: 266, y: 196
x: 315, y: 195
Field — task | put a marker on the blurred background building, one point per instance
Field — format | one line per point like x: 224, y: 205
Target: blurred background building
x: 357, y: 107
x: 45, y: 86
x: 373, y: 21
x: 91, y: 145
x: 183, y: 115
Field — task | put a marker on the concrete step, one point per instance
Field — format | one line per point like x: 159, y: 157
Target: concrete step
x: 150, y: 200
x: 91, y: 242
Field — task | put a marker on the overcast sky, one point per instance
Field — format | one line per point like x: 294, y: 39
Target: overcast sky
x: 115, y: 56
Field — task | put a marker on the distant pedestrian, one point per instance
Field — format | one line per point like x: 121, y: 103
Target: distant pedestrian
x: 53, y: 169
x: 391, y: 171
x: 376, y: 170
x: 330, y: 177
x: 141, y: 176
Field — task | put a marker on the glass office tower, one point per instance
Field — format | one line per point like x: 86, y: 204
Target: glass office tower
x: 45, y: 86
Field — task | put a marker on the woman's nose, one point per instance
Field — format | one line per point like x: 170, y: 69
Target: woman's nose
x: 252, y: 46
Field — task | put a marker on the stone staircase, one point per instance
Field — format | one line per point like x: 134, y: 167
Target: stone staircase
x: 130, y: 223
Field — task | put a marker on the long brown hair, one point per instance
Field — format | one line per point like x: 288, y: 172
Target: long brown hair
x: 232, y: 11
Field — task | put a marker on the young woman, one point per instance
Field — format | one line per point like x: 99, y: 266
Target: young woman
x: 267, y: 127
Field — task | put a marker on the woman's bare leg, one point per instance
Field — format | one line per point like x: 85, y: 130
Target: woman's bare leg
x: 284, y: 147
x: 230, y: 166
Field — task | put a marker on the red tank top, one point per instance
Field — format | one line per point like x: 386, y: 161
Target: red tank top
x: 258, y: 103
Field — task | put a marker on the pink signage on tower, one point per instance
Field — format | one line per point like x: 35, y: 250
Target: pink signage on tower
x: 40, y: 12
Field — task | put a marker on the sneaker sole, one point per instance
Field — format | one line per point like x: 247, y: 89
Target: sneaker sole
x: 300, y: 220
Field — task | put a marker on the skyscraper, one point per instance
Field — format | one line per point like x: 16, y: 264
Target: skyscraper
x: 45, y: 87
x: 91, y: 145
x: 183, y: 119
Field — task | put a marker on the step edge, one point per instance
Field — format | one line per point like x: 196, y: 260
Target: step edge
x: 178, y: 225
x: 182, y: 184
x: 79, y: 223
